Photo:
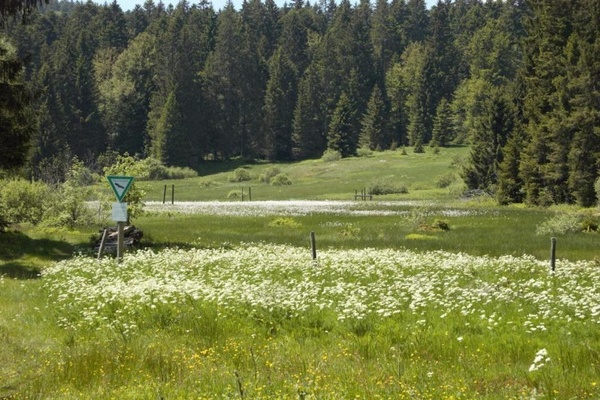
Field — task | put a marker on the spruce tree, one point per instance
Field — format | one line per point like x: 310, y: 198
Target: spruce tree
x: 375, y: 134
x: 341, y: 136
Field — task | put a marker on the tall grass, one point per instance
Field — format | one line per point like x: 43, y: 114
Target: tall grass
x: 264, y: 321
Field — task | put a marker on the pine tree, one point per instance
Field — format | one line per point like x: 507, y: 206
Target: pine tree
x: 341, y: 130
x: 278, y: 110
x: 170, y: 143
x: 491, y: 133
x: 16, y: 125
x: 374, y: 134
x: 443, y: 131
x: 309, y: 126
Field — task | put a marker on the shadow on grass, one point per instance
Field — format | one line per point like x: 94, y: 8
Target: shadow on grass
x: 17, y: 270
x: 16, y: 245
x: 218, y: 166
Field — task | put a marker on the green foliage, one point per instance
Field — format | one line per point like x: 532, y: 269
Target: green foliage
x: 23, y: 201
x: 342, y: 135
x: 384, y: 186
x: 69, y: 206
x: 281, y: 180
x: 239, y: 175
x: 285, y: 222
x: 560, y: 224
x: 441, y: 224
x: 445, y: 180
x: 374, y: 134
x: 152, y: 169
x: 364, y: 152
x: 127, y: 165
x: 16, y: 118
x: 269, y: 173
x: 331, y: 155
x: 234, y: 194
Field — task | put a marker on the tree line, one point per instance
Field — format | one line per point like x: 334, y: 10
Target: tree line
x: 516, y: 80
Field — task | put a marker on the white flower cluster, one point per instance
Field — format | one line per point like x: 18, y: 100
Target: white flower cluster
x: 541, y: 359
x: 352, y: 284
x: 298, y: 208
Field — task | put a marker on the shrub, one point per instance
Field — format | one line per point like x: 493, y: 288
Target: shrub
x: 152, y: 169
x: 269, y: 173
x: 331, y: 155
x: 208, y: 183
x: 3, y: 220
x: 387, y: 186
x: 23, y: 201
x: 364, y: 152
x: 285, y: 222
x: 234, y: 194
x: 445, y: 181
x: 441, y: 224
x: 239, y: 175
x: 281, y: 180
x: 559, y: 224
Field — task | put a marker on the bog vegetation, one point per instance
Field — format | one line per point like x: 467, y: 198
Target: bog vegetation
x: 417, y: 294
x: 348, y: 121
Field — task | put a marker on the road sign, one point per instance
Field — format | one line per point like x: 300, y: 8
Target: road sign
x: 120, y: 185
x: 119, y: 212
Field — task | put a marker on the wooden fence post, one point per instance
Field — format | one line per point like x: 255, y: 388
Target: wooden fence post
x: 165, y: 194
x: 102, y: 244
x: 553, y: 254
x: 313, y: 245
x: 172, y: 194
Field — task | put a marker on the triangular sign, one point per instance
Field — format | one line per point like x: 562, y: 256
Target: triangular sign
x: 120, y: 185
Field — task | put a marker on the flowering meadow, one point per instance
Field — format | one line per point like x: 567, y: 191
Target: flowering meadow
x: 258, y: 321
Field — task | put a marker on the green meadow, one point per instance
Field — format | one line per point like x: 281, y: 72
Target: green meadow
x: 416, y: 294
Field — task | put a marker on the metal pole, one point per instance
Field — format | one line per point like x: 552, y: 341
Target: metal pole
x: 172, y: 194
x: 165, y: 194
x: 249, y: 194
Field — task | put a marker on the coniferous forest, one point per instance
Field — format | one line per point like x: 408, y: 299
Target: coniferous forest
x: 518, y: 81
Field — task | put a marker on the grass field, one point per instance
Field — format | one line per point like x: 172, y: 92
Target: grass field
x: 418, y: 295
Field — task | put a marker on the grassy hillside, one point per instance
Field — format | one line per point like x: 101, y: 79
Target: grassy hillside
x: 317, y: 179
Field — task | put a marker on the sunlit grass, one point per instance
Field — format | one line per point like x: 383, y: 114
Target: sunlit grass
x: 264, y: 321
x: 319, y: 180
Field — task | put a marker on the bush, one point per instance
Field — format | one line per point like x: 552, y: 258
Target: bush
x: 331, y: 155
x: 364, y: 152
x: 285, y: 222
x: 445, y: 181
x: 559, y: 224
x: 234, y: 194
x: 387, y: 186
x: 281, y: 180
x: 152, y: 169
x: 24, y: 201
x: 441, y: 224
x: 269, y: 173
x: 239, y: 175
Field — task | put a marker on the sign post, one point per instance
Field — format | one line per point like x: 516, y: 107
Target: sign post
x: 120, y: 185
